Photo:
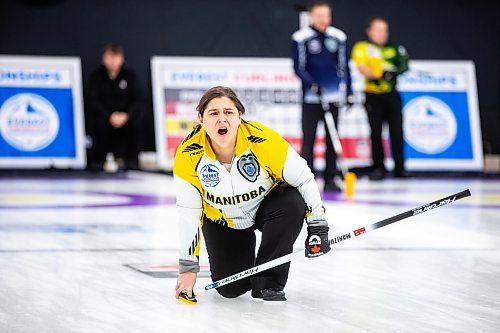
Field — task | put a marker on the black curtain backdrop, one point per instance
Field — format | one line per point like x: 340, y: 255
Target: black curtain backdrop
x: 444, y: 29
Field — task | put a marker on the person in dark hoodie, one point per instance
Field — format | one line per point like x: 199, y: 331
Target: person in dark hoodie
x: 114, y: 98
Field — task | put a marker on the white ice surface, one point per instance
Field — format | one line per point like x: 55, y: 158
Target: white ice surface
x: 62, y: 269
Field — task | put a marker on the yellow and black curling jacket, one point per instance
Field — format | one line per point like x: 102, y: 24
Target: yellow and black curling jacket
x: 207, y: 191
x: 389, y: 57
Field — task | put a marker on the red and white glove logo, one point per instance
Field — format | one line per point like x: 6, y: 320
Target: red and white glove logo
x: 315, y: 249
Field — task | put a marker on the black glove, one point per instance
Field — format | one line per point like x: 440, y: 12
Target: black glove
x: 317, y: 242
x: 349, y: 101
x: 389, y: 75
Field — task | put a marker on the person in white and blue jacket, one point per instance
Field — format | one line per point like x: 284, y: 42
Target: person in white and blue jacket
x: 320, y: 61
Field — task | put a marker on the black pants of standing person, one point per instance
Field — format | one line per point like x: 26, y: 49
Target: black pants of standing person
x: 230, y: 251
x: 122, y: 142
x: 311, y: 115
x: 386, y: 108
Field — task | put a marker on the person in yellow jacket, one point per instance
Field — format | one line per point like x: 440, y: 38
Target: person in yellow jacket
x: 233, y: 177
x: 380, y: 61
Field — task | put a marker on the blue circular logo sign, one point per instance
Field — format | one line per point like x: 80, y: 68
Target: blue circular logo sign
x: 430, y: 126
x: 210, y: 175
x: 28, y: 122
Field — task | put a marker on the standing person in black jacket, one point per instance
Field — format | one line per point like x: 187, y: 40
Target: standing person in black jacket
x: 114, y: 99
x: 320, y: 61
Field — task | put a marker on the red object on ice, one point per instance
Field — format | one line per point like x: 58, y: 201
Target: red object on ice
x: 315, y: 249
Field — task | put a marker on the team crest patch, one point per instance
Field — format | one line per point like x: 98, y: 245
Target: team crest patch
x: 248, y: 167
x: 331, y: 45
x: 122, y: 84
x: 314, y: 46
x: 210, y: 175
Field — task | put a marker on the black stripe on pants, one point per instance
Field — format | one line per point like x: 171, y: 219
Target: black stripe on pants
x: 230, y: 251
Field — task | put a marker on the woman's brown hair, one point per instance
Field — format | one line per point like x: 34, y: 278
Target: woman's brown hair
x: 216, y: 92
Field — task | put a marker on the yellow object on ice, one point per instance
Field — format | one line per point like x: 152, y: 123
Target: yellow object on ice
x: 350, y: 179
x: 184, y: 297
